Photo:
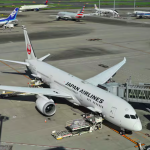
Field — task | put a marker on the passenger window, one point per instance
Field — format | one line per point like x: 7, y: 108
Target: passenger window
x: 133, y: 117
x: 127, y: 116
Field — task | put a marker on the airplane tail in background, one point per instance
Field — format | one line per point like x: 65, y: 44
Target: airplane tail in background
x: 81, y: 11
x: 13, y: 15
x: 29, y: 48
x: 95, y: 6
x: 46, y: 2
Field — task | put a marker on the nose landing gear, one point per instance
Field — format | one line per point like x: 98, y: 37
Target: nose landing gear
x: 124, y: 131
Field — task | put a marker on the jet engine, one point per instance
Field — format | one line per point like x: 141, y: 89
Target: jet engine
x: 37, y: 9
x: 45, y: 106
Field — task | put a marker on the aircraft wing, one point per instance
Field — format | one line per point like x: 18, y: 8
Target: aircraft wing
x: 106, y: 75
x: 42, y: 91
x: 94, y: 109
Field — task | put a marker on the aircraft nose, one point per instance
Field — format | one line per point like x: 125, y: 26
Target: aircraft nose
x: 137, y: 126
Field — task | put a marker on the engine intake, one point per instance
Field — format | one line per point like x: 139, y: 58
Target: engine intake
x: 45, y: 106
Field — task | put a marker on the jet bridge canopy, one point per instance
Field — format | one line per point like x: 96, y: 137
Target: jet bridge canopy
x: 130, y: 92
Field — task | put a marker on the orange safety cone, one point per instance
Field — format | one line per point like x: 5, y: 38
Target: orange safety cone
x: 45, y: 120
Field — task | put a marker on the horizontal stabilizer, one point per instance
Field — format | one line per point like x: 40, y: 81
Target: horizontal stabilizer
x: 44, y: 57
x: 42, y: 91
x: 18, y: 62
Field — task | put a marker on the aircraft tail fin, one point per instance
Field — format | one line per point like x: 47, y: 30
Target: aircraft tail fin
x: 95, y: 6
x: 46, y: 2
x: 29, y: 48
x: 13, y: 15
x: 81, y: 11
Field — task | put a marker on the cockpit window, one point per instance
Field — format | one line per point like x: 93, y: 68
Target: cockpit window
x: 136, y: 116
x: 127, y: 116
x: 133, y: 117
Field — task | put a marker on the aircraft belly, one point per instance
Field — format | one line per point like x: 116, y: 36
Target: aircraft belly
x: 1, y: 23
x: 73, y: 17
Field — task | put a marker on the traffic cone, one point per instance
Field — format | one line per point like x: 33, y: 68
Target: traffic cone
x: 45, y: 120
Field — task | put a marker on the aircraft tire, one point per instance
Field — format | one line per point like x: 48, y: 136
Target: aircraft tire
x: 121, y: 132
x: 148, y: 148
x: 101, y: 115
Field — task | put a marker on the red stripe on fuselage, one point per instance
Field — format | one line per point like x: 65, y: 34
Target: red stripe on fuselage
x: 78, y: 16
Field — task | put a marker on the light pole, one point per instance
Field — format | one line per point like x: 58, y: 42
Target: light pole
x: 1, y: 123
x: 114, y: 4
x: 134, y: 4
x: 99, y: 7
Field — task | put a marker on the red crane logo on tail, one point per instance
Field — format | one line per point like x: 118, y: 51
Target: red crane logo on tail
x: 29, y: 49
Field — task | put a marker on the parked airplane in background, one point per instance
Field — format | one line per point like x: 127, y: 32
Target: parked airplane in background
x: 106, y: 11
x: 11, y: 18
x: 33, y: 7
x: 71, y: 16
x: 77, y: 91
x: 142, y: 14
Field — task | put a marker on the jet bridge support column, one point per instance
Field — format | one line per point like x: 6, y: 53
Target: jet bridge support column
x: 127, y: 91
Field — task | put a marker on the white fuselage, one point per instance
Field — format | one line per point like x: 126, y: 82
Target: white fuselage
x: 32, y: 7
x: 107, y: 11
x: 135, y: 12
x: 85, y: 94
x: 67, y: 15
x: 142, y: 14
x: 4, y: 21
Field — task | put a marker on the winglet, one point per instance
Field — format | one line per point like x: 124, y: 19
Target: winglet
x: 106, y: 75
x: 124, y: 59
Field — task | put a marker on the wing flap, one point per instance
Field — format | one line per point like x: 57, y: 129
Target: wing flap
x: 106, y: 75
x: 42, y: 91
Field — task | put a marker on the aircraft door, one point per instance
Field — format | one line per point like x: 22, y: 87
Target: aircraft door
x: 112, y: 112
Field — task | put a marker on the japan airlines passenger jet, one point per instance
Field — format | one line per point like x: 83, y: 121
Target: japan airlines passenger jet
x: 33, y: 7
x: 77, y: 91
x: 70, y: 15
x: 11, y: 18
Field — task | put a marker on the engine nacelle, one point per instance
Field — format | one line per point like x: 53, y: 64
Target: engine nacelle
x: 45, y: 106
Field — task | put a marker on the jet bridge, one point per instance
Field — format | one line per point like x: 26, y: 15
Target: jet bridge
x: 128, y: 91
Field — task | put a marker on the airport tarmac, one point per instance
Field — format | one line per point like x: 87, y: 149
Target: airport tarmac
x: 67, y: 42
